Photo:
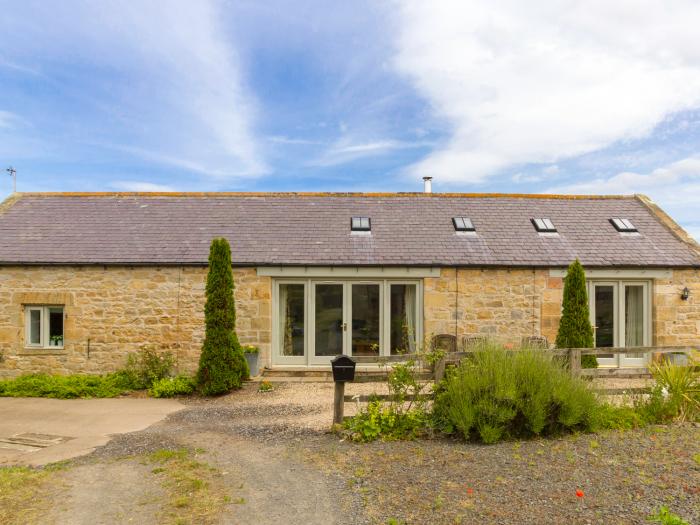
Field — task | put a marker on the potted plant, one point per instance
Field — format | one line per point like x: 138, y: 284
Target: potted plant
x: 251, y: 354
x: 56, y: 340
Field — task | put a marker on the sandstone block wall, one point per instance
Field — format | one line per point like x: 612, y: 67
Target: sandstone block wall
x: 117, y: 310
x: 507, y: 305
x: 499, y: 304
x: 677, y: 322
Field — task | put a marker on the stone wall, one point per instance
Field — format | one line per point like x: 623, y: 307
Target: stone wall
x: 507, y: 305
x: 677, y: 322
x: 117, y: 310
x: 500, y: 304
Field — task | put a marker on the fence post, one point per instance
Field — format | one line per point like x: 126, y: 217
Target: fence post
x: 440, y: 369
x: 575, y: 361
x: 339, y: 402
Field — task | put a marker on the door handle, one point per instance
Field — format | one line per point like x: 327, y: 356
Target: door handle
x: 345, y: 327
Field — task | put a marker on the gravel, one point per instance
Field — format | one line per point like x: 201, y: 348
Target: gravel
x: 282, y: 440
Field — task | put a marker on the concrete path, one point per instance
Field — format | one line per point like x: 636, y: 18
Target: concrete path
x: 35, y: 431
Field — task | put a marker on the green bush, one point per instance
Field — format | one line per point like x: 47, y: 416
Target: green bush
x: 222, y: 366
x: 172, y: 386
x: 67, y: 387
x: 499, y: 394
x: 575, y: 329
x: 146, y: 366
x: 404, y: 416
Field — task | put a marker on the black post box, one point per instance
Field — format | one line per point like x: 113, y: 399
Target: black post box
x: 343, y: 368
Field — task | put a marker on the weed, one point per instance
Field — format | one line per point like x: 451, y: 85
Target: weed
x: 21, y: 490
x: 265, y: 386
x: 403, y: 417
x: 195, y: 490
x: 666, y: 517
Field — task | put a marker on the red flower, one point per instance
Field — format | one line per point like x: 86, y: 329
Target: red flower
x: 470, y: 491
x: 579, y: 493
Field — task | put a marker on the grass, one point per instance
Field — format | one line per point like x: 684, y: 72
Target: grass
x: 21, y: 491
x: 195, y: 490
x: 67, y: 387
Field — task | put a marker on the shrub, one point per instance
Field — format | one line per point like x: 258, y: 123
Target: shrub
x: 403, y: 417
x: 498, y: 394
x: 66, y: 387
x: 679, y: 387
x: 172, y: 386
x: 146, y: 366
x: 222, y: 366
x: 575, y: 329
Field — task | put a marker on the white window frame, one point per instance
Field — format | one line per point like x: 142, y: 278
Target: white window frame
x: 619, y: 285
x: 45, y: 317
x: 309, y: 359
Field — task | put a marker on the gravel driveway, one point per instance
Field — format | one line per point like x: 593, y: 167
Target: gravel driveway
x: 277, y: 460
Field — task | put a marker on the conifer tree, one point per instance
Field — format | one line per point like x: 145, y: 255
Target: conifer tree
x: 575, y: 330
x: 222, y: 365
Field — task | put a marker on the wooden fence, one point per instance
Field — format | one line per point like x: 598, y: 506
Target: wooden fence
x: 572, y: 355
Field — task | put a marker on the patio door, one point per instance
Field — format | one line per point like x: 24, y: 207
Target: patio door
x: 605, y: 319
x: 621, y: 318
x: 346, y: 319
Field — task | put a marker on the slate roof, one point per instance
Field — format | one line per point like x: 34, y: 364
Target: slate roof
x: 314, y: 229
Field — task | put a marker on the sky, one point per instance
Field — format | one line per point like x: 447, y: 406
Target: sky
x: 530, y: 97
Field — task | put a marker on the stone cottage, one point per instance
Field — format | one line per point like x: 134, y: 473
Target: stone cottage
x: 86, y: 278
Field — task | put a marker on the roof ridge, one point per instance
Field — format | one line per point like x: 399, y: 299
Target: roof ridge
x: 204, y: 194
x: 667, y: 222
x: 8, y: 202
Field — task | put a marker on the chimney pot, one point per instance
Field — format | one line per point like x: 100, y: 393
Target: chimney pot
x: 427, y: 184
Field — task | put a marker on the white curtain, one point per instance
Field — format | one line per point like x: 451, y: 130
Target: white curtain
x: 285, y: 327
x: 410, y: 306
x: 634, y: 316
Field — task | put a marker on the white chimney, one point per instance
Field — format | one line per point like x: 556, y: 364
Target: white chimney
x: 427, y: 185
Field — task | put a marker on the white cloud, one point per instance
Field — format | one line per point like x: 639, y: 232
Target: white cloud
x: 132, y: 185
x: 346, y: 150
x: 8, y: 119
x: 535, y: 82
x: 675, y: 187
x: 166, y: 77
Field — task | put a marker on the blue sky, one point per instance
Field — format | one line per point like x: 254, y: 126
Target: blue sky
x: 354, y: 96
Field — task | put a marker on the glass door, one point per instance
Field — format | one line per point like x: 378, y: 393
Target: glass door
x: 603, y: 306
x: 291, y: 333
x: 330, y: 326
x: 634, y: 317
x: 366, y: 302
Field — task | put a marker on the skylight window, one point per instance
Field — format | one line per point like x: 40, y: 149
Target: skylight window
x: 463, y: 224
x: 544, y: 225
x: 360, y: 224
x: 623, y: 225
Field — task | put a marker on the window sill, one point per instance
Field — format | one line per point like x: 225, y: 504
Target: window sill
x: 31, y: 350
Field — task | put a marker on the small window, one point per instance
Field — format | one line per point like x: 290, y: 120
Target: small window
x: 623, y: 225
x: 44, y: 326
x: 544, y: 225
x: 463, y: 224
x: 360, y: 224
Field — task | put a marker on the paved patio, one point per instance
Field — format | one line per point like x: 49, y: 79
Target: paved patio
x: 36, y: 431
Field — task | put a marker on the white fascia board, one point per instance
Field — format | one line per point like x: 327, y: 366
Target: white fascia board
x: 349, y: 272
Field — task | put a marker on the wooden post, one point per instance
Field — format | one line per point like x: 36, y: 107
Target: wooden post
x: 440, y: 369
x: 338, y: 402
x: 575, y: 361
